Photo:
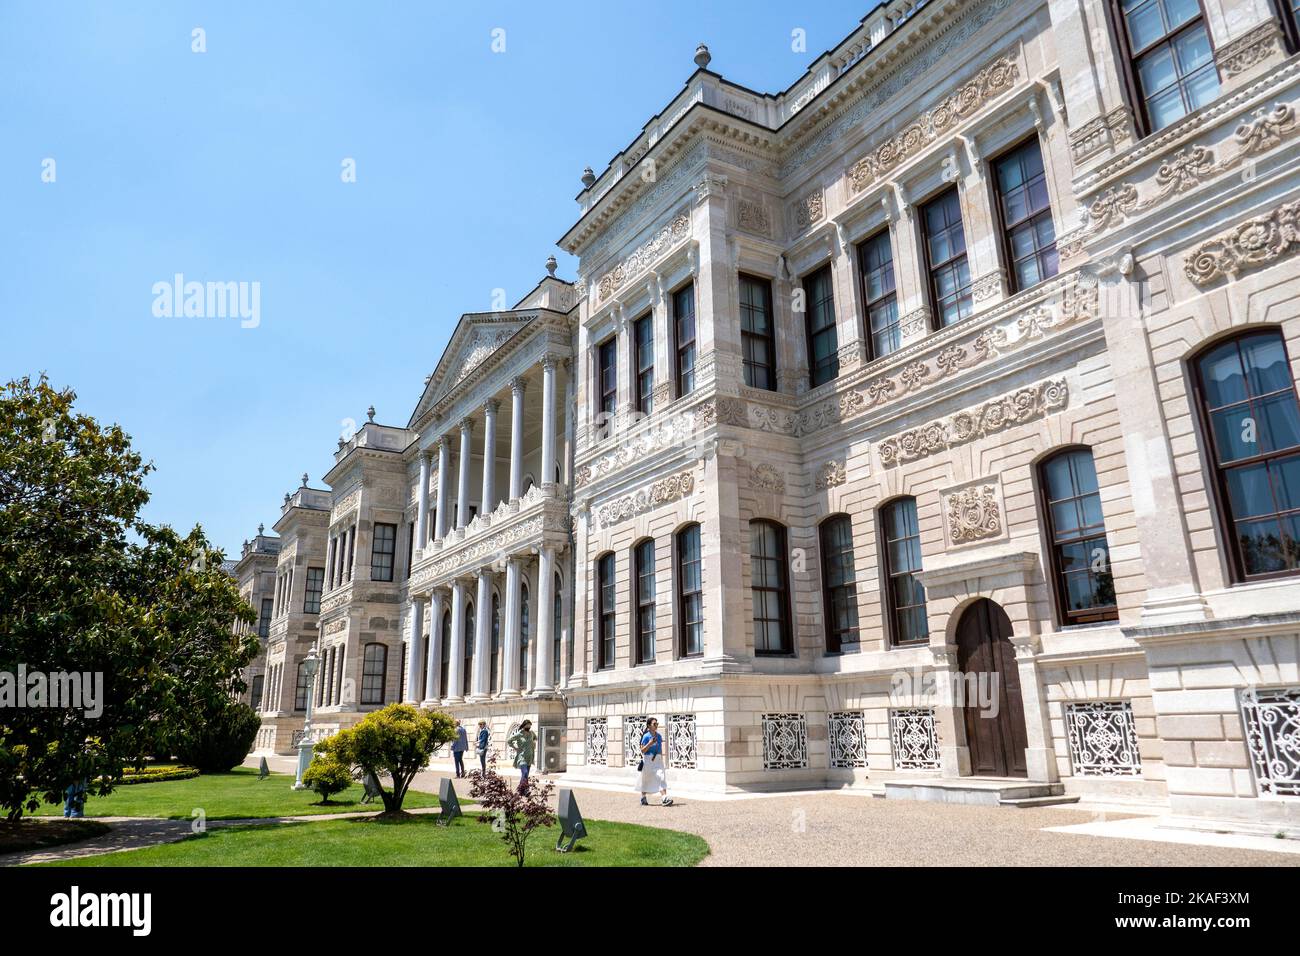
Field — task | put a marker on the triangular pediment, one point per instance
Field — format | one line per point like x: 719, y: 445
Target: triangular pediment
x: 477, y: 338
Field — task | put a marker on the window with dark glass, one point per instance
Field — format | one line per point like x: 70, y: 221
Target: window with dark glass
x: 757, y: 332
x: 819, y: 323
x: 879, y: 295
x: 401, y: 672
x: 945, y: 252
x: 523, y: 634
x: 556, y: 623
x: 410, y: 547
x: 300, y: 687
x: 769, y: 588
x: 839, y: 582
x: 467, y: 664
x: 444, y: 668
x: 906, y: 595
x: 264, y: 620
x: 643, y: 339
x: 340, y: 653
x: 643, y: 600
x: 1289, y: 13
x: 607, y: 375
x: 1028, y: 233
x: 684, y: 338
x: 333, y: 561
x: 315, y: 583
x: 605, y: 611
x: 258, y: 682
x: 1250, y: 414
x: 373, y: 665
x: 494, y: 661
x: 382, y: 551
x: 690, y: 591
x: 1085, y: 587
x: 1170, y: 56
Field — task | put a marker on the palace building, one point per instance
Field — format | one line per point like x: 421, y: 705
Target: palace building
x: 928, y: 427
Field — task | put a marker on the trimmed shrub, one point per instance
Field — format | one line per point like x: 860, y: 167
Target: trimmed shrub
x: 327, y: 776
x: 223, y: 741
x: 159, y: 774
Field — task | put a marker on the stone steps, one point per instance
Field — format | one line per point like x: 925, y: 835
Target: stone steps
x: 979, y: 791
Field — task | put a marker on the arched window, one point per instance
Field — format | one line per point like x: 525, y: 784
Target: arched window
x: 769, y: 588
x: 494, y: 662
x: 468, y: 663
x: 902, y: 549
x: 1085, y: 588
x: 690, y: 591
x: 605, y: 611
x: 557, y: 625
x: 839, y: 582
x: 643, y: 601
x: 1252, y: 426
x: 444, y: 669
x: 523, y: 635
x: 374, y: 665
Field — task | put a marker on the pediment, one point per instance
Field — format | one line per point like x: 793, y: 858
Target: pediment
x: 477, y: 337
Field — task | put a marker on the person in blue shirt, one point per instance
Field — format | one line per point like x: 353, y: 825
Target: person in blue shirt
x: 458, y: 748
x: 484, y: 738
x: 653, y: 777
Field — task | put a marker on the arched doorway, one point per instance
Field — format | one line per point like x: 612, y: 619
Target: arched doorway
x: 992, y: 710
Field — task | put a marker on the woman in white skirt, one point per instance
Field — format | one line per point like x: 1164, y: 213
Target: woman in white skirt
x: 653, y: 779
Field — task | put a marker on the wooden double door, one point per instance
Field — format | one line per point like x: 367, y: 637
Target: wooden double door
x: 993, y: 713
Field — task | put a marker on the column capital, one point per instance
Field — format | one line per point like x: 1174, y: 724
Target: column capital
x: 518, y: 385
x: 466, y: 425
x: 444, y: 442
x: 549, y: 361
x: 491, y: 406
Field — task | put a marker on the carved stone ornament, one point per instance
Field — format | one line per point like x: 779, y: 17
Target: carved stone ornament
x: 831, y: 475
x: 643, y: 256
x: 661, y: 492
x: 1249, y: 245
x: 1248, y: 51
x: 765, y: 477
x: 973, y: 514
x: 809, y: 209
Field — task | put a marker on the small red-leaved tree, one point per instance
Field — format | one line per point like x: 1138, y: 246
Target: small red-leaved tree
x: 513, y: 812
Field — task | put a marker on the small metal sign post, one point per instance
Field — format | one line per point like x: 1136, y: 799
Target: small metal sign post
x: 571, y: 825
x: 448, y: 802
x: 263, y: 771
x: 373, y: 790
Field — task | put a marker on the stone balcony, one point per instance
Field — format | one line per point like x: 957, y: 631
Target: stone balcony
x: 540, y: 517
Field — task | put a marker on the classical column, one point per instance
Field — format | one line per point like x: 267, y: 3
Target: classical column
x: 441, y: 523
x: 516, y: 438
x: 482, y: 635
x: 462, y: 490
x: 415, y: 649
x: 488, y: 501
x: 422, y: 508
x: 432, y: 670
x: 510, y: 684
x: 455, y: 676
x: 544, y: 645
x: 548, y: 420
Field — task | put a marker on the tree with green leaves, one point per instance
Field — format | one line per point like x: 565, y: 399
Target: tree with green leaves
x: 86, y: 587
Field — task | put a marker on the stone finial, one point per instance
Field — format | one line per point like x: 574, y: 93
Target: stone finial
x: 370, y: 414
x: 286, y: 498
x: 588, y: 178
x: 260, y: 529
x: 428, y: 379
x: 551, y: 265
x: 702, y: 56
x: 304, y: 479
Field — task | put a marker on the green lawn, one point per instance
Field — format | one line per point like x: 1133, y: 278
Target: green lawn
x: 39, y: 834
x: 413, y: 841
x: 229, y: 796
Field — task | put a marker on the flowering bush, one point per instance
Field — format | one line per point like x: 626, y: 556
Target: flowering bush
x: 514, y: 812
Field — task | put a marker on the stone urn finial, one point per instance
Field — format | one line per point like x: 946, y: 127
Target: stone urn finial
x: 551, y: 265
x: 588, y: 178
x: 702, y: 56
x: 370, y: 414
x: 304, y: 479
x: 286, y: 498
x: 260, y: 529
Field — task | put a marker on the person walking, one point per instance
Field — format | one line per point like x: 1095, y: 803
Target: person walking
x: 653, y: 777
x: 458, y: 748
x: 524, y: 744
x: 484, y: 737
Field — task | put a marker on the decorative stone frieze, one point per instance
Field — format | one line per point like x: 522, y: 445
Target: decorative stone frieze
x: 644, y: 256
x: 661, y: 492
x: 832, y: 474
x: 680, y: 429
x: 752, y: 216
x: 765, y: 477
x: 808, y: 210
x: 987, y: 287
x: 1250, y: 245
x: 1253, y: 48
x: 1099, y: 133
x: 973, y: 514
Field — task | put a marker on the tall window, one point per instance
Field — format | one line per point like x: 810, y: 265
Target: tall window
x: 444, y: 669
x: 352, y: 548
x: 410, y: 545
x: 684, y: 338
x: 605, y: 611
x: 769, y: 588
x: 643, y: 339
x: 467, y: 664
x: 523, y: 635
x: 300, y: 687
x: 839, y: 582
x: 757, y: 332
x: 264, y: 620
x: 494, y: 662
x: 876, y: 265
x: 332, y: 563
x: 607, y: 375
x: 315, y: 582
x: 690, y: 591
x: 1289, y: 12
x: 1085, y: 588
x: 643, y: 600
x: 373, y: 666
x: 340, y: 651
x: 906, y: 596
x: 258, y: 682
x: 819, y: 322
x: 1172, y: 62
x: 382, y: 551
x: 1249, y: 410
x: 556, y: 626
x: 945, y: 251
x: 1027, y: 228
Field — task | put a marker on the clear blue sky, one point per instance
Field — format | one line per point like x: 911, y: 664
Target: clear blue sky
x: 225, y: 166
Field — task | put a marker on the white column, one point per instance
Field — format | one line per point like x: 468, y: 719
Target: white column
x: 545, y: 621
x: 441, y: 519
x: 415, y: 649
x: 482, y: 635
x: 422, y: 508
x: 511, y: 682
x: 516, y: 438
x: 488, y: 501
x: 462, y: 490
x: 455, y: 674
x: 548, y: 420
x: 433, y: 669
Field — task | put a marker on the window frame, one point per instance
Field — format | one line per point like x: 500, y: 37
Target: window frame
x: 683, y: 599
x: 1128, y: 57
x: 606, y: 611
x: 868, y: 303
x: 679, y: 346
x: 782, y: 590
x: 367, y: 675
x: 640, y: 603
x: 828, y: 589
x: 1064, y: 616
x: 607, y: 398
x: 932, y: 268
x: 378, y: 553
x: 319, y: 590
x: 1004, y: 229
x: 833, y: 363
x: 644, y: 394
x: 765, y: 284
x: 892, y: 609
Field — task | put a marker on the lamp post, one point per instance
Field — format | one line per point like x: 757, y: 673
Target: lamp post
x: 305, y: 745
